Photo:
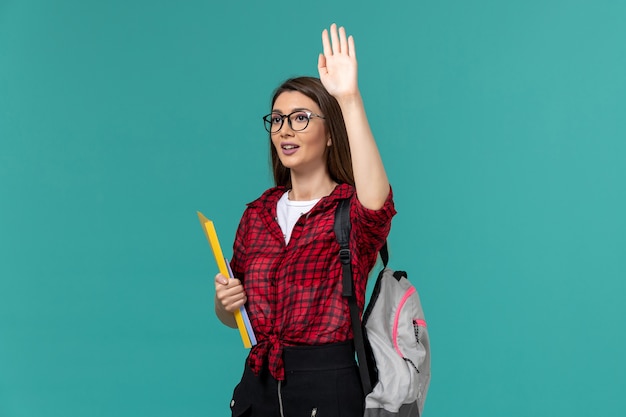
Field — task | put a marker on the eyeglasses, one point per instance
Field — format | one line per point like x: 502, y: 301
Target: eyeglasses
x: 298, y: 120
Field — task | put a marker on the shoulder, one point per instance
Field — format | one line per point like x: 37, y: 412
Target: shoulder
x: 329, y: 203
x: 344, y: 191
x: 348, y: 192
x: 263, y: 206
x: 268, y: 199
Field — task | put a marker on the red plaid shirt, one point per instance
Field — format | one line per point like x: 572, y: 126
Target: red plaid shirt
x: 294, y: 290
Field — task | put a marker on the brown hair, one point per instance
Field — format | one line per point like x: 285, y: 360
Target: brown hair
x: 338, y: 158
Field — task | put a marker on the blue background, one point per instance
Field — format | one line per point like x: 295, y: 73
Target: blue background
x: 502, y: 126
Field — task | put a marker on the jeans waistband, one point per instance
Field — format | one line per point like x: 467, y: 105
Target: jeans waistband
x: 319, y: 357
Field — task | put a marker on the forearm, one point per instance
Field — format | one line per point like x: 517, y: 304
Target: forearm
x: 372, y: 185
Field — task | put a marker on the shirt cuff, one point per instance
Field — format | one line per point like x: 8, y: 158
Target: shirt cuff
x: 375, y: 218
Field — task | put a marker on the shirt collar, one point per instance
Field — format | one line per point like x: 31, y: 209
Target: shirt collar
x: 270, y: 197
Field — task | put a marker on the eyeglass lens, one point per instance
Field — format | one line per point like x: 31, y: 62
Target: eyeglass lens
x: 297, y: 121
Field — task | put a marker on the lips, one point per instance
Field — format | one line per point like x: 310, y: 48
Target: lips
x: 289, y: 148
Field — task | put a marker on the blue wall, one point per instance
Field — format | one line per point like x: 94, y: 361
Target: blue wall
x: 502, y: 125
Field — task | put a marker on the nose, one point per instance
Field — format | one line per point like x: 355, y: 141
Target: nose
x: 286, y: 129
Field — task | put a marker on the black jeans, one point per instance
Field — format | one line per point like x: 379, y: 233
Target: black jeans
x: 320, y: 381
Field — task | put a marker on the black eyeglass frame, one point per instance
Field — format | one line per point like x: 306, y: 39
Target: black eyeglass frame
x: 268, y: 120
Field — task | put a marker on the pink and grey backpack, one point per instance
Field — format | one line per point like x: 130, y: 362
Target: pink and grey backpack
x: 391, y: 340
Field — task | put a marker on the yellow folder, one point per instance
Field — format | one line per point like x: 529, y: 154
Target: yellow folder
x: 211, y: 234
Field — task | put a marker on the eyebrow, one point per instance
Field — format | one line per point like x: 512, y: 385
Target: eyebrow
x: 292, y: 111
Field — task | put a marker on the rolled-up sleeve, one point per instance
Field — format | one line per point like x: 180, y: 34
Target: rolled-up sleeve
x: 370, y: 228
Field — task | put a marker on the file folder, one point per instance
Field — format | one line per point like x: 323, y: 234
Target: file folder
x: 241, y: 315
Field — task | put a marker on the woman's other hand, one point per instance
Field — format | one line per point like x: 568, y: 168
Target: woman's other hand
x: 229, y: 293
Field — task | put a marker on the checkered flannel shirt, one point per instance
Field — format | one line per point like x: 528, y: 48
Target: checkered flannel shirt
x: 294, y: 290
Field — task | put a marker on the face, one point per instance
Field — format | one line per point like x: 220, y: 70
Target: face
x: 302, y: 151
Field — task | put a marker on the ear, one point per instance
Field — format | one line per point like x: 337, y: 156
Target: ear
x: 329, y: 142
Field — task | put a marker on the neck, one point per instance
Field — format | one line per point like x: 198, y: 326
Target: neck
x: 310, y: 188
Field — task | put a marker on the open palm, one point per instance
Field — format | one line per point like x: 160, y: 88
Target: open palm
x: 337, y: 66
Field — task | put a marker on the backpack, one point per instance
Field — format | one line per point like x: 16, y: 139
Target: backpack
x: 391, y: 342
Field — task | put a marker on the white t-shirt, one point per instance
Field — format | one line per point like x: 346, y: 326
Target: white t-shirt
x: 288, y: 213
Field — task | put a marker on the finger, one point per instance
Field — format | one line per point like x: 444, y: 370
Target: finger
x: 221, y: 279
x: 334, y: 38
x: 343, y: 41
x: 231, y: 303
x: 351, y: 47
x: 230, y: 299
x: 321, y: 65
x: 233, y: 283
x: 326, y: 43
x: 231, y: 308
x: 231, y: 290
x: 228, y: 296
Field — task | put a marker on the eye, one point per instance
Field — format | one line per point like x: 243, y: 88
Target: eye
x: 300, y: 117
x: 276, y: 118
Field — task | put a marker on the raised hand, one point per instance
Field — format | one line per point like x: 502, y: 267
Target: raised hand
x: 338, y: 72
x: 337, y: 66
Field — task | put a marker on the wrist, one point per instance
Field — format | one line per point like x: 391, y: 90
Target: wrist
x: 349, y: 99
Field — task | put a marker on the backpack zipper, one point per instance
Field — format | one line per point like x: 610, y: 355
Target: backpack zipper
x: 394, y: 333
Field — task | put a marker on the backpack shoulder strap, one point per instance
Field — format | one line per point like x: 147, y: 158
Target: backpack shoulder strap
x: 342, y: 228
x: 342, y: 234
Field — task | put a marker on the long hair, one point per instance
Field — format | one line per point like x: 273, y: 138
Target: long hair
x: 338, y: 158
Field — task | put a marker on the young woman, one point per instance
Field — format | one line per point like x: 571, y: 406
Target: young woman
x: 285, y: 257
